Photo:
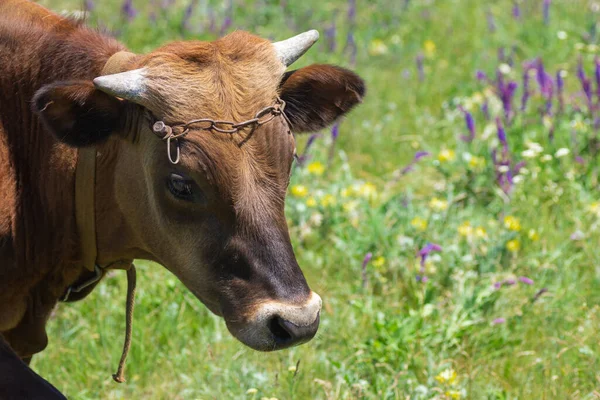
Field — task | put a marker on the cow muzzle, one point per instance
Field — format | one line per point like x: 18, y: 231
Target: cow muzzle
x: 275, y: 325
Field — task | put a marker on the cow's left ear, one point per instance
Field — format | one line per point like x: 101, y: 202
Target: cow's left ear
x: 77, y: 113
x: 317, y: 95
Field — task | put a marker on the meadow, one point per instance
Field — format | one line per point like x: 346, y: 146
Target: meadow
x: 449, y: 223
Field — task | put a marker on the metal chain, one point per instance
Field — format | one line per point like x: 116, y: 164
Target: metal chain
x: 170, y: 133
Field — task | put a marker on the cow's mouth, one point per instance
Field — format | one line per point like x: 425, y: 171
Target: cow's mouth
x: 275, y: 325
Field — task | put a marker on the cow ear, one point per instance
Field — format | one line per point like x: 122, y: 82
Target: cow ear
x: 77, y: 113
x: 317, y: 95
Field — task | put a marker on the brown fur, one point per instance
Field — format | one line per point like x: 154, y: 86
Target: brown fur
x: 231, y: 248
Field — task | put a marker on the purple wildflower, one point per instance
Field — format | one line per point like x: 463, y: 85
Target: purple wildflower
x: 89, y: 5
x: 335, y: 132
x: 546, y: 85
x: 420, y: 67
x: 228, y: 18
x: 506, y: 93
x: 427, y: 250
x: 526, y: 92
x: 546, y: 11
x: 185, y: 22
x: 516, y: 11
x: 501, y: 55
x: 490, y: 21
x: 506, y: 282
x: 128, y: 11
x: 577, y: 235
x: 501, y: 135
x: 351, y: 11
x: 418, y: 156
x: 367, y: 259
x: 225, y: 25
x: 330, y: 37
x: 498, y: 321
x: 597, y: 74
x: 485, y: 109
x: 212, y: 23
x: 470, y: 122
x: 585, y: 84
x: 526, y: 280
x: 560, y: 91
x: 481, y: 76
x: 305, y: 156
x: 351, y: 45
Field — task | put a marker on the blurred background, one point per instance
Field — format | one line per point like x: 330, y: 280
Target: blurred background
x: 450, y: 222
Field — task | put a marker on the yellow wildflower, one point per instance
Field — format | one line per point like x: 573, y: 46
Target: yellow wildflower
x: 480, y: 232
x: 378, y: 262
x: 513, y: 245
x: 465, y: 229
x: 446, y: 155
x: 453, y: 394
x: 252, y: 391
x: 347, y: 192
x: 438, y: 204
x: 299, y: 191
x: 594, y: 208
x: 315, y: 168
x: 429, y: 48
x: 512, y: 223
x: 377, y: 47
x: 476, y: 163
x: 292, y: 368
x: 579, y: 125
x: 311, y: 202
x: 447, y: 376
x: 533, y: 235
x: 419, y: 224
x: 350, y: 206
x: 367, y: 190
x: 328, y: 200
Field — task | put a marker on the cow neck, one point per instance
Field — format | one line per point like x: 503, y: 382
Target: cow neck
x: 85, y: 186
x: 85, y: 214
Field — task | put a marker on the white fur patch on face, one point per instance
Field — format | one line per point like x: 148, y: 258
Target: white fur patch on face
x: 300, y: 315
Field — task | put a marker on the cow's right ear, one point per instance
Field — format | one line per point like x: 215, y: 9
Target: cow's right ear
x: 77, y: 113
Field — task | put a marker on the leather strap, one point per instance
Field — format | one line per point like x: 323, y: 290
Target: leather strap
x: 85, y: 181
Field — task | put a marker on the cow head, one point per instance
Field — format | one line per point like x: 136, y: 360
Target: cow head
x: 216, y: 218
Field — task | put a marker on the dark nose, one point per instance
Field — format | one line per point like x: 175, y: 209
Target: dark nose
x: 288, y: 334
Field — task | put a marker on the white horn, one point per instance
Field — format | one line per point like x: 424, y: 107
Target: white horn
x: 292, y: 49
x: 129, y: 85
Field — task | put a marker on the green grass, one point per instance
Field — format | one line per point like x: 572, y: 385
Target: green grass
x: 393, y: 336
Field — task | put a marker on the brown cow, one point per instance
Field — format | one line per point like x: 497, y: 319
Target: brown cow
x: 214, y: 218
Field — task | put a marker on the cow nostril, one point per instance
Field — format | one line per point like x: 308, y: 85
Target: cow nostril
x: 287, y: 333
x: 279, y: 331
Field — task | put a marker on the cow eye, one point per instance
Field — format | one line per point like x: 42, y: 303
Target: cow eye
x: 181, y: 187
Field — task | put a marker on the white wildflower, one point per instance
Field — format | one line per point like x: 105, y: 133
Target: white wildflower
x: 562, y: 35
x: 529, y: 153
x: 561, y: 152
x: 504, y: 69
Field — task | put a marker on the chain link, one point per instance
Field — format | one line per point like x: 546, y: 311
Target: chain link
x: 169, y: 133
